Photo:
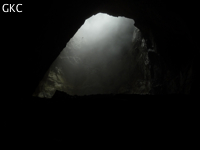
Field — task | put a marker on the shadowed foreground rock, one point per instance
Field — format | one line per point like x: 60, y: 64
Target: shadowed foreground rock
x: 65, y: 117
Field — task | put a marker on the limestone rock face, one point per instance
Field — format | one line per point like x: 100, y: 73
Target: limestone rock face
x: 140, y: 82
x: 108, y: 61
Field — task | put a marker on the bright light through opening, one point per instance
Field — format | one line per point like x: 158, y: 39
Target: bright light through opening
x: 97, y: 60
x: 104, y: 27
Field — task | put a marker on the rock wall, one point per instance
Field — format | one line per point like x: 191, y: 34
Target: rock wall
x: 140, y: 82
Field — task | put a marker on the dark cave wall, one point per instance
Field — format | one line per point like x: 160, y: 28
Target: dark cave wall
x: 168, y: 24
x: 171, y: 64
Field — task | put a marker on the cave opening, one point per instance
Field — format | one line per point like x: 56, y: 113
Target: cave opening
x: 107, y: 55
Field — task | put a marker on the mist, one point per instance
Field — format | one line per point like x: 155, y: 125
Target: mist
x: 96, y: 60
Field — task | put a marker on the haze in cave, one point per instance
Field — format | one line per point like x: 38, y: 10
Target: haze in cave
x: 107, y: 55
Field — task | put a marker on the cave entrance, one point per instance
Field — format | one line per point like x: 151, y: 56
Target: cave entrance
x: 107, y: 55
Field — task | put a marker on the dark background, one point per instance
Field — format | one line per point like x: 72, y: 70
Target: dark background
x: 34, y: 38
x: 31, y: 41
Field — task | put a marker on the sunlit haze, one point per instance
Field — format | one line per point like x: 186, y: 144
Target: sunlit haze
x: 96, y: 60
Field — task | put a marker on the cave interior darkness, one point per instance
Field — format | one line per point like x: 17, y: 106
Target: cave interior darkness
x: 167, y: 31
x: 35, y: 38
x: 39, y: 37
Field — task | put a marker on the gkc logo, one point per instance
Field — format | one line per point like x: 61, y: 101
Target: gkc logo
x: 11, y: 8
